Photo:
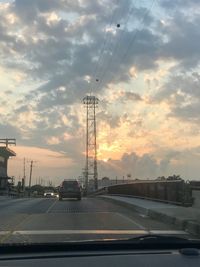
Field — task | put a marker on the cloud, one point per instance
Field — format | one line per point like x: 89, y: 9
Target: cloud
x: 8, y: 92
x: 184, y: 163
x: 131, y: 96
x: 182, y: 94
x: 9, y: 131
x: 62, y: 54
x: 166, y: 161
x: 51, y: 52
x: 142, y: 167
x: 181, y: 35
x: 53, y: 140
x: 58, y: 56
x: 180, y: 4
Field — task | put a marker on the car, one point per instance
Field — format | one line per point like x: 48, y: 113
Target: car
x: 70, y: 189
x: 49, y: 194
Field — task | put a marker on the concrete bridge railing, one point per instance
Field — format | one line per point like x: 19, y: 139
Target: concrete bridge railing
x: 176, y: 192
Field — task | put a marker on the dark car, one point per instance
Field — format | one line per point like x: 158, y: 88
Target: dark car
x: 70, y: 189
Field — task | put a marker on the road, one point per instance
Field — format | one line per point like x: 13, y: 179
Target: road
x: 50, y: 220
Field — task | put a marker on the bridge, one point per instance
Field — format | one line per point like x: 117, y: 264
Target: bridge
x: 116, y: 211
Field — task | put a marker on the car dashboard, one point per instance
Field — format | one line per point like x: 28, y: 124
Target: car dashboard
x: 128, y: 257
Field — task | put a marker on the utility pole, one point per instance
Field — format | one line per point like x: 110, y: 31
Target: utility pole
x: 24, y: 176
x: 31, y: 168
x: 24, y: 169
x: 8, y: 141
x: 30, y: 177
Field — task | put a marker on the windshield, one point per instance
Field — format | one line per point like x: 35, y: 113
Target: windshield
x: 70, y: 184
x: 100, y: 135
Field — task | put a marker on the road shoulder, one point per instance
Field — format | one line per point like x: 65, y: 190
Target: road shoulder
x: 185, y: 218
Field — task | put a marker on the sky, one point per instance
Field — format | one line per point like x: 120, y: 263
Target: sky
x: 148, y: 122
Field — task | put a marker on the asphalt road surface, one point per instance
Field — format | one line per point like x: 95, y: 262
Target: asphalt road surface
x: 50, y: 220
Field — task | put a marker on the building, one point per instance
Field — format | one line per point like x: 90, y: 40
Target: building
x: 5, y: 154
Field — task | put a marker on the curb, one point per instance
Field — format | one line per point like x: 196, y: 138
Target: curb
x: 190, y: 226
x: 193, y: 227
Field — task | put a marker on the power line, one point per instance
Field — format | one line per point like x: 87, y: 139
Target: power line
x: 136, y: 32
x: 102, y: 50
x: 119, y: 42
x: 30, y: 177
x: 102, y: 70
x: 124, y: 55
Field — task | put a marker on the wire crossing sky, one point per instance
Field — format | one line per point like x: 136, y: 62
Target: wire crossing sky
x: 53, y: 52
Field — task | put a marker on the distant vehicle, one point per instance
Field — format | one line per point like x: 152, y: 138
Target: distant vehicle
x: 49, y: 194
x: 70, y: 189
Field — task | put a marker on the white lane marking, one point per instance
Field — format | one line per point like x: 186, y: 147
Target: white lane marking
x: 143, y: 215
x: 81, y: 212
x: 96, y: 232
x: 51, y: 206
x: 131, y: 220
x: 167, y: 232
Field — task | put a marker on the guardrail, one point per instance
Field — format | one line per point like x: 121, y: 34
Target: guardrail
x: 175, y: 192
x: 101, y: 191
x: 195, y: 185
x: 12, y: 193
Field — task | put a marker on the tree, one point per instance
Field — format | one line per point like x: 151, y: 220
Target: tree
x: 161, y: 178
x: 105, y: 179
x: 38, y: 188
x: 174, y: 177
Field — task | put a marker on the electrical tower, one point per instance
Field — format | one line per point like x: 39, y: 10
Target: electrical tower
x: 90, y: 172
